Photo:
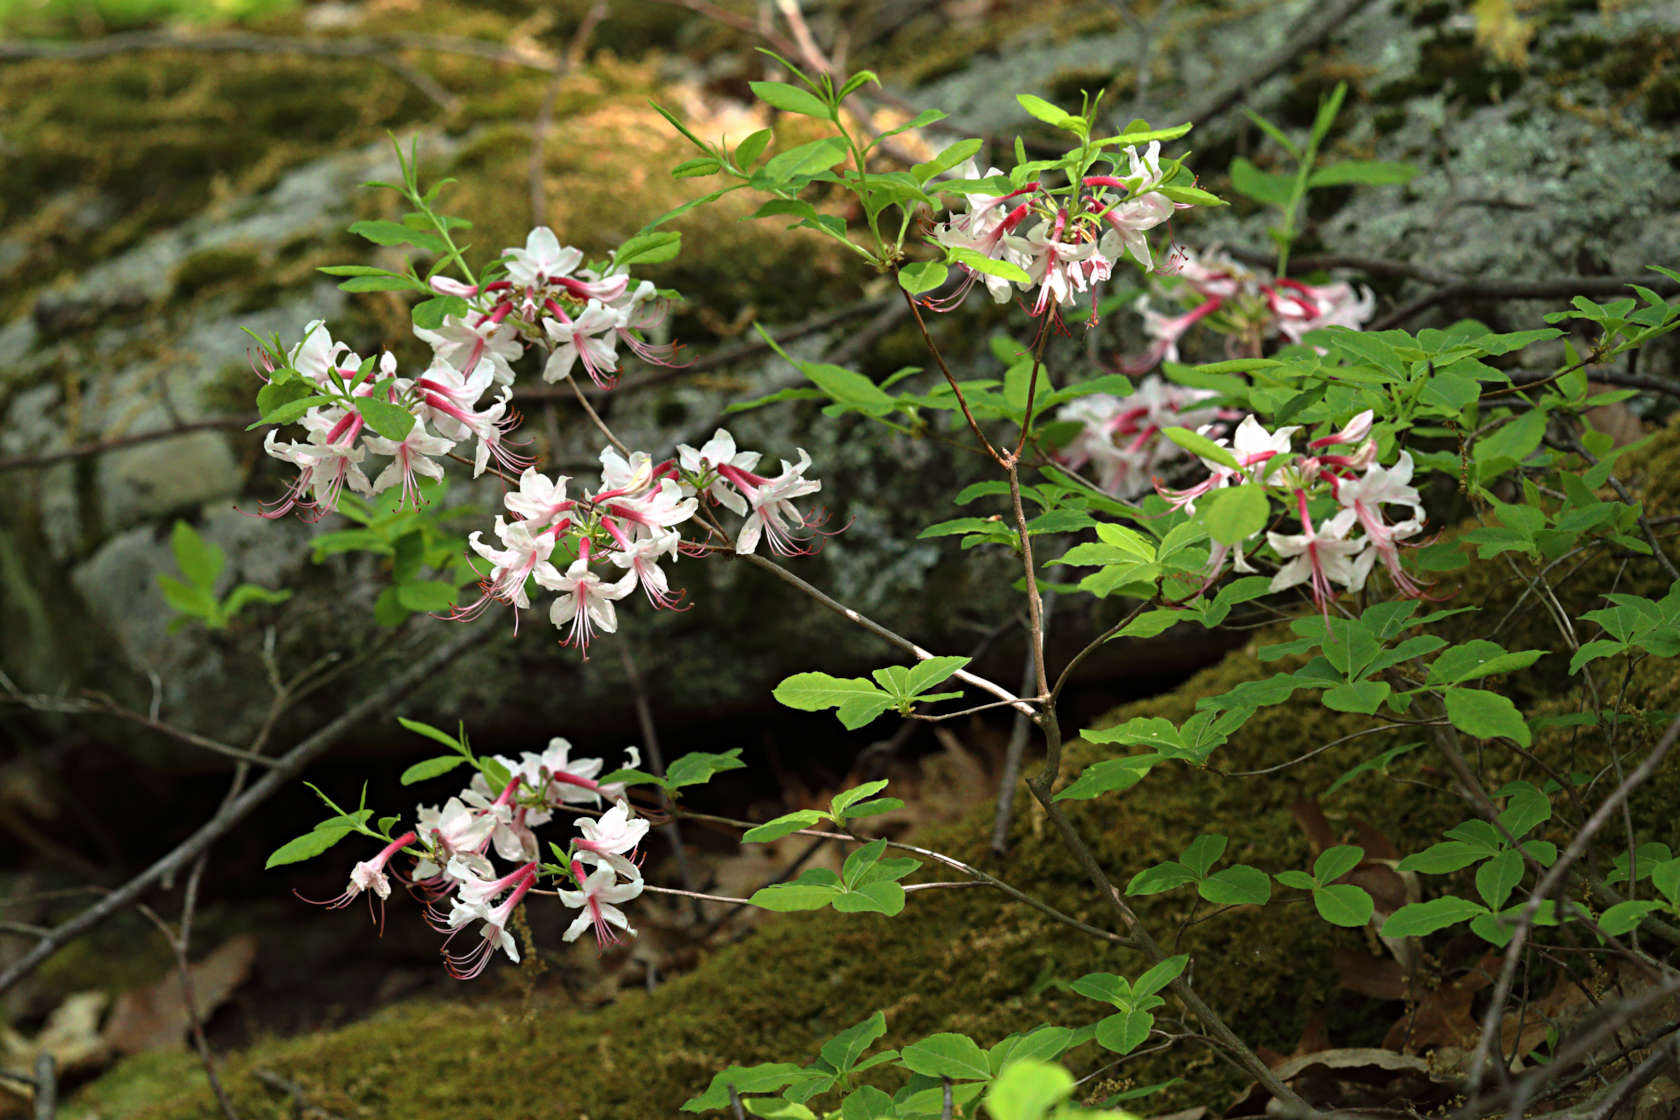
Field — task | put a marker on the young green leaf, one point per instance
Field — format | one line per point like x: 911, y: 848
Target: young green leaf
x: 1344, y: 905
x: 791, y: 99
x: 431, y: 768
x: 947, y: 1055
x: 784, y: 825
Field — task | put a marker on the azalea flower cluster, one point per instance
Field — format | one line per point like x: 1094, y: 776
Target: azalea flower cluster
x: 1339, y: 468
x: 1066, y: 250
x: 454, y: 876
x: 543, y: 298
x: 1120, y: 438
x: 1249, y: 306
x: 597, y: 547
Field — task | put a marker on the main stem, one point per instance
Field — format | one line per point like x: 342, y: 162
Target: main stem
x: 1041, y: 787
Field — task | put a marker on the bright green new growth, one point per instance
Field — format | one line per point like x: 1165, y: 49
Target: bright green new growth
x: 202, y: 562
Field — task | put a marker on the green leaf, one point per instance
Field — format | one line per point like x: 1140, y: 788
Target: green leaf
x: 1041, y: 1044
x: 1498, y: 877
x: 1204, y: 851
x: 649, y: 248
x: 1202, y: 447
x: 748, y: 150
x: 805, y: 160
x: 872, y: 807
x: 1108, y: 776
x: 1124, y: 1031
x: 696, y: 168
x: 947, y: 1055
x: 390, y: 421
x: 1160, y: 976
x: 1419, y: 919
x: 925, y: 674
x: 868, y: 1103
x: 1235, y: 513
x: 1236, y: 886
x: 861, y: 860
x: 199, y: 560
x: 1486, y: 715
x: 1162, y: 877
x: 395, y: 233
x: 922, y: 276
x: 1624, y: 917
x: 433, y: 734
x: 849, y: 388
x: 288, y: 411
x: 1104, y: 987
x: 1050, y: 114
x: 697, y: 767
x: 784, y: 825
x: 791, y: 99
x: 309, y: 845
x: 945, y: 160
x: 1299, y: 880
x: 1335, y: 862
x: 430, y: 314
x: 431, y: 768
x: 990, y: 266
x: 858, y: 700
x: 1513, y: 442
x: 1028, y: 1090
x: 872, y: 898
x: 392, y: 282
x: 1370, y: 173
x: 765, y: 1078
x: 1343, y: 905
x: 246, y: 593
x: 1444, y: 858
x: 846, y: 798
x: 1268, y: 187
x: 1665, y: 877
x: 815, y: 888
x: 844, y: 1049
x: 1478, y: 658
x: 1364, y: 697
x: 427, y: 596
x: 1194, y: 196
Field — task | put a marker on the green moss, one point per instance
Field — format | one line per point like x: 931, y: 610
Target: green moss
x: 1453, y: 61
x: 1662, y: 100
x: 215, y: 268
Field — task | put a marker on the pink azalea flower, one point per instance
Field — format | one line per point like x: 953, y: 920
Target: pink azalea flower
x: 595, y: 896
x: 585, y: 604
x: 1316, y: 557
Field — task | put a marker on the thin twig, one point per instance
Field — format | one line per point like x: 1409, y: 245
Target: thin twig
x: 105, y: 706
x: 286, y: 767
x: 595, y: 418
x: 189, y: 1001
x: 1020, y: 730
x: 656, y: 759
x: 100, y: 447
x: 1548, y: 887
x: 880, y: 631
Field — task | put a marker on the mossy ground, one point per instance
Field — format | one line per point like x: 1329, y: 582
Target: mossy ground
x: 971, y: 960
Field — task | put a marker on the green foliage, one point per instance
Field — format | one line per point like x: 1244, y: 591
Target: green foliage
x: 427, y: 565
x: 858, y: 701
x: 867, y: 883
x: 194, y: 598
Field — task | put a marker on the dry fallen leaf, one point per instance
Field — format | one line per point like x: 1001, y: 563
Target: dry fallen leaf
x: 155, y: 1017
x: 70, y: 1035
